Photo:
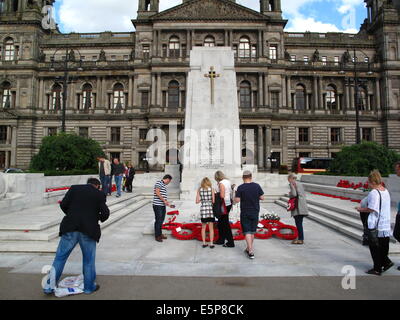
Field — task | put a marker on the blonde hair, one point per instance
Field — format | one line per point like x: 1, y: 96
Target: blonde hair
x: 375, y: 177
x: 206, y: 183
x: 219, y: 176
x: 292, y: 176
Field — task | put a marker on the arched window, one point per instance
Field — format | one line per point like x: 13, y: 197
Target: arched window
x: 173, y: 94
x: 118, y: 97
x: 209, y: 41
x: 9, y: 50
x: 300, y: 97
x: 245, y: 94
x: 87, y: 96
x: 244, y: 48
x: 5, y: 95
x: 174, y: 47
x: 331, y: 98
x: 362, y: 100
x: 56, y: 97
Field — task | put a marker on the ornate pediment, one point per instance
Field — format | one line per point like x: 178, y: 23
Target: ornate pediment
x: 209, y: 10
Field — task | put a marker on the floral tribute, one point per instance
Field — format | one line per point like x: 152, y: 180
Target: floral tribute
x: 266, y: 230
x: 356, y: 186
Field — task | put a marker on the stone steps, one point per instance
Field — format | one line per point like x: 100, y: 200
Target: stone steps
x: 46, y: 240
x: 341, y: 220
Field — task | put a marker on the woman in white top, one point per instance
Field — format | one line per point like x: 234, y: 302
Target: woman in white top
x: 225, y: 190
x: 379, y: 209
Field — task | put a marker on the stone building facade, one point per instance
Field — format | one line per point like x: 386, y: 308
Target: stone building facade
x: 295, y: 90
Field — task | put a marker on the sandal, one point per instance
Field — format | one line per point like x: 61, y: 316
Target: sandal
x: 205, y: 246
x: 212, y: 247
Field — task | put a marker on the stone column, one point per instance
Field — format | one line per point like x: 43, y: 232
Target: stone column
x: 13, y: 146
x: 377, y: 95
x: 153, y: 89
x: 135, y: 143
x: 72, y: 97
x: 283, y: 92
x: 260, y: 143
x: 260, y: 42
x: 289, y: 92
x: 347, y: 97
x: 320, y: 93
x: 159, y: 89
x: 135, y: 91
x: 130, y: 88
x: 268, y: 142
x: 284, y: 143
x: 104, y: 101
x: 260, y: 90
x: 315, y: 94
x: 226, y: 42
x: 98, y: 93
x: 192, y: 39
x: 18, y: 95
x: 230, y: 38
x: 351, y: 98
x: 9, y: 135
x: 266, y: 92
x: 41, y: 93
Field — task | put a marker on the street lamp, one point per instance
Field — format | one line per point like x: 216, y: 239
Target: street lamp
x: 356, y: 89
x: 66, y: 67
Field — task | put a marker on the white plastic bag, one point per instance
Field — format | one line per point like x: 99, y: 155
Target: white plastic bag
x: 70, y: 286
x: 63, y: 292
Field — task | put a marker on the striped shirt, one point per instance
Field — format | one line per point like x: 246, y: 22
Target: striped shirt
x: 163, y: 191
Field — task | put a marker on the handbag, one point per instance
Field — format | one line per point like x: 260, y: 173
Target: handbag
x: 293, y: 202
x: 219, y: 206
x: 372, y: 234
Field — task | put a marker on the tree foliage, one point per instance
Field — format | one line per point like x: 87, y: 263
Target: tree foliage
x: 67, y: 152
x: 361, y: 159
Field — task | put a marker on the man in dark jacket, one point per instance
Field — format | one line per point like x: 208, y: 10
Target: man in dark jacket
x: 84, y: 206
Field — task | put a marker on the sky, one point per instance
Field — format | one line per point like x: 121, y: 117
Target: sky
x: 303, y: 15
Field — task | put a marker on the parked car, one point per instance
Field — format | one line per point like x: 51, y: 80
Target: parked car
x: 13, y: 170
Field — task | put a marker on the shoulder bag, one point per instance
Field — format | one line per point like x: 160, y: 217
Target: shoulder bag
x: 372, y: 234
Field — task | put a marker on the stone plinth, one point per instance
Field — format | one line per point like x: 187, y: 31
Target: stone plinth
x: 212, y: 131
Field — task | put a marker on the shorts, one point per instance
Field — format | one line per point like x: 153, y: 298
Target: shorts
x: 207, y: 220
x: 249, y: 223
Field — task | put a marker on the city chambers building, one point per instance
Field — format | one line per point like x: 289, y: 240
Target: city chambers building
x: 299, y: 91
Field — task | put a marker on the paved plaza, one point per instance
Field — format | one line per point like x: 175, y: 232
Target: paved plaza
x: 125, y: 252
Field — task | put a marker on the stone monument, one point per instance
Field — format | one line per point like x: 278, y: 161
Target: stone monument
x: 212, y: 139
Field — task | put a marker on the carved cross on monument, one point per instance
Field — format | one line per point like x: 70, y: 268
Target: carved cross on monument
x: 212, y: 75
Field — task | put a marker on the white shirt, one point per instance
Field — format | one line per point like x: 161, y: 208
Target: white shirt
x: 383, y: 215
x: 228, y: 191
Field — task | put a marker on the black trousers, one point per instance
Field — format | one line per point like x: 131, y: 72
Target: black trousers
x: 380, y: 254
x: 128, y: 184
x: 224, y: 229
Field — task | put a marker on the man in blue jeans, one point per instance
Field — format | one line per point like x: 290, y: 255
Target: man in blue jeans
x: 84, y: 206
x: 160, y: 204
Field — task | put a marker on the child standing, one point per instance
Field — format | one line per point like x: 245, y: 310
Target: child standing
x: 206, y: 196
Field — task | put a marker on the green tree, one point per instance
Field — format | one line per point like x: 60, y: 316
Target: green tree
x: 67, y: 152
x: 361, y: 159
